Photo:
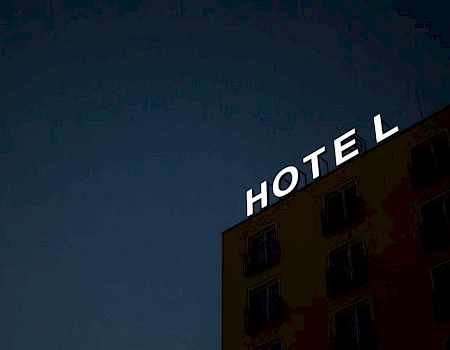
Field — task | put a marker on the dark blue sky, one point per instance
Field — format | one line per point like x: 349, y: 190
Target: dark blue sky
x: 128, y: 139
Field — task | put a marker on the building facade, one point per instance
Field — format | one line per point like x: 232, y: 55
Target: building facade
x: 357, y: 260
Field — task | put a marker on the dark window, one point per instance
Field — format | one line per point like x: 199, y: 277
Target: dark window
x: 348, y: 267
x: 342, y: 208
x: 447, y: 344
x: 354, y: 328
x: 430, y: 161
x: 264, y: 307
x: 262, y: 253
x: 441, y: 292
x: 435, y: 226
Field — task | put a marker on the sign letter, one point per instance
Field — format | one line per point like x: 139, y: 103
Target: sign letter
x: 260, y: 197
x: 294, y: 180
x: 314, y: 159
x: 339, y: 148
x: 379, y: 135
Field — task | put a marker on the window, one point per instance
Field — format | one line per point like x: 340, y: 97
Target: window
x: 354, y: 328
x: 347, y: 267
x: 440, y: 279
x: 430, y: 161
x: 447, y: 344
x: 435, y: 225
x: 264, y: 306
x: 262, y: 251
x: 342, y: 208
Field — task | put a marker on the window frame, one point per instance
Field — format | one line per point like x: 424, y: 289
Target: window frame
x: 367, y: 299
x: 266, y: 284
x: 353, y: 181
x: 341, y: 189
x: 434, y: 267
x: 441, y: 198
x: 444, y: 343
x: 349, y: 243
x: 247, y: 256
x: 264, y: 230
x: 428, y: 142
x: 439, y: 318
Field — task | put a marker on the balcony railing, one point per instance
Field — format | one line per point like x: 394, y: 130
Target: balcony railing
x: 261, y: 258
x: 333, y: 221
x: 260, y: 317
x: 339, y: 282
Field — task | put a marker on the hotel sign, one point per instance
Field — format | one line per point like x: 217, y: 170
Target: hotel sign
x: 341, y: 144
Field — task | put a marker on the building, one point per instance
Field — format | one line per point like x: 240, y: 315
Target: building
x: 358, y: 259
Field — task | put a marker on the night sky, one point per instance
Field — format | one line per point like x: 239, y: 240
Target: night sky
x: 129, y: 136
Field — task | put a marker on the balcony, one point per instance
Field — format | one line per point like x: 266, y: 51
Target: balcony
x: 262, y: 316
x: 261, y: 258
x: 337, y: 218
x: 341, y: 279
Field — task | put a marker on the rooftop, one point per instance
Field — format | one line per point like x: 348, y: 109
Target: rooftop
x: 298, y: 190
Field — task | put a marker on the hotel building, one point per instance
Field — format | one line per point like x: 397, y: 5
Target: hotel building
x: 357, y: 260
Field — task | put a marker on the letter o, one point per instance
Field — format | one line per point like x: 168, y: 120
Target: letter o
x: 294, y: 181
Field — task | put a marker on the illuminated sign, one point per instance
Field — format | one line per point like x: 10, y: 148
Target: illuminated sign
x: 341, y: 144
